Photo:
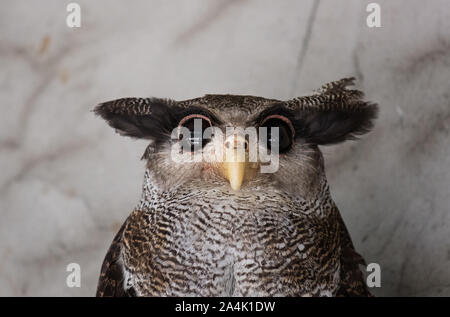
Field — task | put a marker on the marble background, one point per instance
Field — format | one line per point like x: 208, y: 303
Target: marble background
x: 68, y: 181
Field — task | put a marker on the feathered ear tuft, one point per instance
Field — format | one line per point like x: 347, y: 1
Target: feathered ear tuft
x: 334, y: 126
x: 334, y: 114
x: 147, y: 118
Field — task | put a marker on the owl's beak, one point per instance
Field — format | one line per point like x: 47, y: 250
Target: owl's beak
x: 234, y: 172
x: 235, y: 160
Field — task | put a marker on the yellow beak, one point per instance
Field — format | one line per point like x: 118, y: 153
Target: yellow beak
x: 234, y: 172
x: 235, y: 162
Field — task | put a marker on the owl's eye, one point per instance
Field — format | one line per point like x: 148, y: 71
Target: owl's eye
x: 191, y: 131
x: 286, y: 132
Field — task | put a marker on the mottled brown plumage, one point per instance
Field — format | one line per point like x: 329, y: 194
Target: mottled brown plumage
x: 280, y: 234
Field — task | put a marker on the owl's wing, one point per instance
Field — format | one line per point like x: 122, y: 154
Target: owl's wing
x: 352, y: 280
x: 111, y: 281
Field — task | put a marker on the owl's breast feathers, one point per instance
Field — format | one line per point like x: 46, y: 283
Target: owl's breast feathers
x: 209, y: 251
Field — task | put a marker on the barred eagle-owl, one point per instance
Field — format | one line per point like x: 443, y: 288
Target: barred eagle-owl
x: 212, y: 228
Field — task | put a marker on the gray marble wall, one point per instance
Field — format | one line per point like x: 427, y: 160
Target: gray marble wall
x: 68, y: 181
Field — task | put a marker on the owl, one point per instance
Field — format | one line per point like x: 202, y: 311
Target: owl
x: 212, y: 221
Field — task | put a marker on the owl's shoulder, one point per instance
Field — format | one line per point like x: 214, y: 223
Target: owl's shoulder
x: 352, y: 281
x: 112, y: 276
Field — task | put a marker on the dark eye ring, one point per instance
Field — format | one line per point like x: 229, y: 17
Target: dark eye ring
x: 195, y: 137
x: 282, y: 118
x: 192, y: 116
x: 287, y: 134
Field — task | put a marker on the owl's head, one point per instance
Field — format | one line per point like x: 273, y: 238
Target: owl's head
x: 242, y: 142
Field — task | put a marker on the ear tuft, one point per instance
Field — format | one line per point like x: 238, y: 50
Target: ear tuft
x: 148, y: 118
x: 334, y: 114
x: 335, y: 126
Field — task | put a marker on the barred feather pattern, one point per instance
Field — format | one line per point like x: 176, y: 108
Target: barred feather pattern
x: 132, y: 106
x: 205, y: 241
x: 330, y: 97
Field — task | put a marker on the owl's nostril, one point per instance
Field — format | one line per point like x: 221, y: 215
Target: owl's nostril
x: 236, y: 144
